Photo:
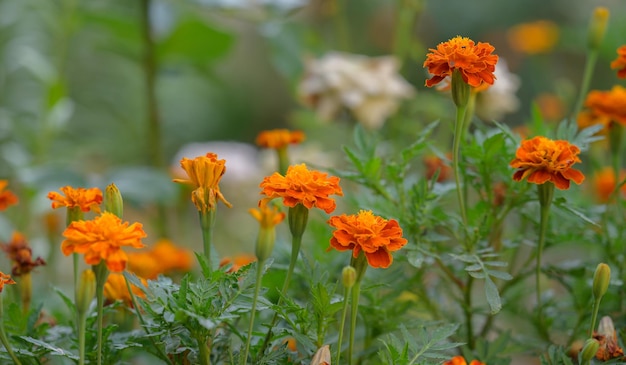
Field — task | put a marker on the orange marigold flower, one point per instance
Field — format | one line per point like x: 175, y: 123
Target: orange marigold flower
x: 460, y: 360
x: 604, y: 184
x: 620, y: 62
x: 7, y: 198
x: 237, y: 262
x: 474, y: 61
x: 300, y: 185
x: 85, y: 199
x: 375, y: 236
x: 267, y: 216
x: 115, y: 289
x: 609, y: 104
x: 162, y: 258
x: 5, y: 279
x: 279, y: 138
x: 541, y: 159
x: 535, y: 37
x: 588, y: 118
x: 435, y: 163
x: 102, y: 238
x: 20, y: 253
x: 204, y: 173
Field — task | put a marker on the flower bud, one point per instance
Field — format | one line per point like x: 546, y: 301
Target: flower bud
x: 86, y: 291
x: 348, y: 276
x: 265, y: 243
x: 589, y: 350
x: 601, y: 280
x: 113, y: 202
x: 597, y: 27
x: 460, y: 89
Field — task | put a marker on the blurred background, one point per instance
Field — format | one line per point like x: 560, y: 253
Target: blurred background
x: 93, y: 92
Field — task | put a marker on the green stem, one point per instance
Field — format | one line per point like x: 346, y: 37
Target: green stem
x: 283, y: 160
x: 346, y: 300
x: 405, y: 20
x: 257, y: 289
x: 456, y: 146
x: 82, y: 318
x: 102, y: 273
x: 204, y: 350
x: 590, y: 63
x: 207, y: 220
x: 354, y: 311
x: 594, y: 315
x: 3, y: 336
x: 467, y: 296
x: 341, y: 26
x: 546, y: 194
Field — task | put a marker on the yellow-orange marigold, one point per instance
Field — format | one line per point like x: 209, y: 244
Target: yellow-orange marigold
x: 102, y: 238
x: 5, y: 279
x: 604, y: 184
x: 535, y: 37
x: 279, y: 138
x: 620, y: 62
x: 21, y: 255
x: 204, y: 174
x: 115, y: 289
x: 7, y: 198
x: 303, y: 186
x: 588, y: 118
x: 375, y: 236
x: 163, y: 257
x: 609, y: 104
x: 541, y: 159
x: 85, y: 199
x: 475, y: 62
x: 460, y: 360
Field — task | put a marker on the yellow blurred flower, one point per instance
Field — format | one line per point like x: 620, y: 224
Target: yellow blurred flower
x: 535, y: 37
x: 115, y: 289
x: 279, y: 138
x: 162, y: 258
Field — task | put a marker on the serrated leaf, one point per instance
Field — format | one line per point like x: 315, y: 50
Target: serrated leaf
x: 493, y: 297
x: 53, y: 349
x: 562, y: 204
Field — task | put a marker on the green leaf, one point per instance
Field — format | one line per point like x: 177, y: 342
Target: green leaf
x: 493, y: 297
x: 194, y: 41
x: 53, y: 350
x: 562, y: 204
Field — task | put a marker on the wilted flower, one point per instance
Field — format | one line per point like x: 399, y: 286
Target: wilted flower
x: 541, y: 159
x: 21, y: 255
x: 5, y: 279
x: 535, y: 37
x: 499, y: 99
x: 204, y: 174
x: 303, y: 186
x: 475, y: 62
x: 85, y: 199
x: 279, y: 138
x: 102, y: 239
x: 7, y: 198
x: 460, y: 360
x: 620, y: 62
x: 607, y: 338
x: 375, y: 236
x: 370, y: 88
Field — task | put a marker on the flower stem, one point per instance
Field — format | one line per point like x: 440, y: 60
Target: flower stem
x: 590, y: 63
x: 406, y: 16
x: 546, y: 194
x: 82, y: 318
x: 207, y: 220
x: 467, y: 296
x: 594, y: 315
x: 346, y: 300
x: 356, y: 293
x: 102, y: 273
x: 204, y: 350
x: 3, y: 336
x: 456, y: 146
x: 257, y: 289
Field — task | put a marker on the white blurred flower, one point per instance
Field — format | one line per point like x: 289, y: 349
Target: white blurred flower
x: 370, y: 88
x: 499, y: 99
x: 242, y: 4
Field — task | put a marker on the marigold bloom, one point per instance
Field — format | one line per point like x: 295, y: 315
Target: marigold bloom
x: 7, y: 198
x: 474, y: 61
x: 460, y: 360
x: 279, y: 138
x: 102, y: 239
x: 267, y: 216
x: 303, y: 186
x: 608, y: 104
x: 204, y: 173
x: 604, y: 184
x: 85, y: 199
x: 375, y: 236
x: 20, y: 253
x: 162, y: 258
x: 435, y: 163
x: 115, y: 289
x: 541, y: 159
x: 237, y: 262
x: 620, y: 62
x: 532, y: 38
x: 5, y: 279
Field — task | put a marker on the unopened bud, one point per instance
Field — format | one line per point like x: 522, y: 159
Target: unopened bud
x: 265, y: 243
x: 86, y: 291
x: 597, y: 27
x: 348, y: 276
x: 589, y: 350
x: 601, y: 280
x: 113, y: 202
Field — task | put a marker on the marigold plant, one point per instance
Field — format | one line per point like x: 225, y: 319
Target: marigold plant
x: 303, y: 186
x: 475, y: 62
x: 102, y: 239
x: 87, y: 199
x: 204, y: 174
x: 375, y: 236
x: 541, y: 159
